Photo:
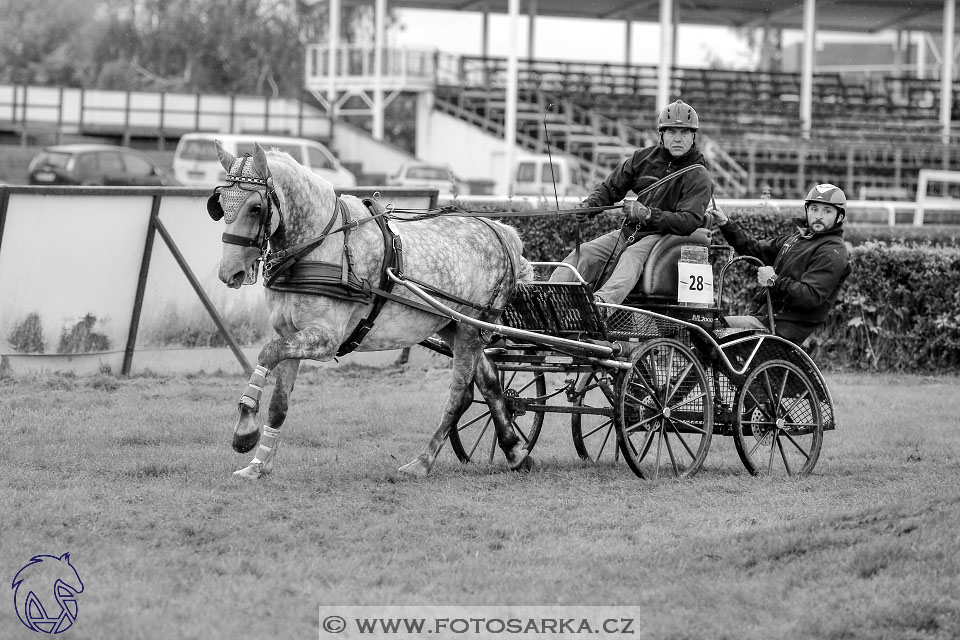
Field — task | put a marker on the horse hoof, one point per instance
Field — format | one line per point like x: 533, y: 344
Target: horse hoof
x: 245, y: 443
x: 417, y: 468
x: 526, y: 465
x: 252, y: 471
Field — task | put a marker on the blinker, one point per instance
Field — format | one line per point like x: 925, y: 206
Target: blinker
x: 214, y: 209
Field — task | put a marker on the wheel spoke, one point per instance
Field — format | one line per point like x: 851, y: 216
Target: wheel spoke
x: 606, y: 438
x: 683, y: 442
x: 523, y: 436
x: 493, y: 449
x: 769, y: 389
x: 483, y: 430
x: 773, y: 448
x: 673, y: 460
x: 783, y: 389
x: 678, y: 383
x: 796, y: 401
x: 783, y: 456
x: 755, y: 447
x: 473, y: 421
x: 667, y: 371
x: 656, y: 472
x: 689, y: 425
x: 647, y: 441
x: 603, y: 425
x: 797, y: 445
x: 688, y: 399
x: 633, y: 427
x: 648, y: 388
x: 642, y: 401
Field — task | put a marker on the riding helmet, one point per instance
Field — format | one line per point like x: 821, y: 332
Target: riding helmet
x: 829, y: 194
x: 678, y: 115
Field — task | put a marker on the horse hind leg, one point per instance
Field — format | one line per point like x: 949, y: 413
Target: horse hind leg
x: 269, y: 441
x: 458, y: 401
x: 459, y: 398
x: 518, y: 458
x: 469, y: 364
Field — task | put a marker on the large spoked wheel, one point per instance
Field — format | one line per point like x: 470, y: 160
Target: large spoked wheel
x: 595, y: 435
x: 665, y: 411
x: 778, y: 426
x: 475, y: 438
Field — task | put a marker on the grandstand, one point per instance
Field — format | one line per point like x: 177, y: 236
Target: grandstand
x: 870, y: 134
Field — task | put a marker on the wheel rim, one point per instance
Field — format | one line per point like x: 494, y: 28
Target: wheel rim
x: 594, y: 436
x: 475, y: 439
x: 778, y: 426
x: 665, y: 411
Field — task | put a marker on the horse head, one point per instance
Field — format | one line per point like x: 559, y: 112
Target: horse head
x: 247, y: 204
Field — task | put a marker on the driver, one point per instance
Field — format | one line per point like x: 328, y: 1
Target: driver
x: 673, y: 192
x: 803, y: 270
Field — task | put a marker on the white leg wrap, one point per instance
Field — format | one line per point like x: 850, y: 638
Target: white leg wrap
x: 262, y: 463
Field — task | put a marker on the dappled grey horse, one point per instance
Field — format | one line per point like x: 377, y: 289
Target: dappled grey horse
x: 325, y: 261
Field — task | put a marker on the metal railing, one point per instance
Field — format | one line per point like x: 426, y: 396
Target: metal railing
x: 57, y: 111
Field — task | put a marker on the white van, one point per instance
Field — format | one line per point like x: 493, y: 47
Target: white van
x: 533, y: 176
x: 195, y: 161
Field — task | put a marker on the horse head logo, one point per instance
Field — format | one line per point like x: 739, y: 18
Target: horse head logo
x: 45, y: 593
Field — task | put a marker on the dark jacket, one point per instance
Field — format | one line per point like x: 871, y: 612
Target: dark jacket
x: 810, y: 268
x: 678, y: 206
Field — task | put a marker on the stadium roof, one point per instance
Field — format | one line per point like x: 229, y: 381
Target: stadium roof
x: 858, y: 15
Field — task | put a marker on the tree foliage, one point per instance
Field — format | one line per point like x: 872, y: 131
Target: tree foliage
x: 254, y: 47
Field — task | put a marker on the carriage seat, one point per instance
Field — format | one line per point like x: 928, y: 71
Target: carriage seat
x: 659, y: 280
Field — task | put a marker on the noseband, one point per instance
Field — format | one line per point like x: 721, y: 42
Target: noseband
x: 264, y: 189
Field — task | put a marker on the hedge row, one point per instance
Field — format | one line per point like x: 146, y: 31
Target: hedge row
x: 899, y: 309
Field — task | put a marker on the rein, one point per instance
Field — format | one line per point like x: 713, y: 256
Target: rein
x: 614, y: 256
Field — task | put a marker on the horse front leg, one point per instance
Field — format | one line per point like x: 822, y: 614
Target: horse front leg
x: 269, y: 440
x: 283, y: 355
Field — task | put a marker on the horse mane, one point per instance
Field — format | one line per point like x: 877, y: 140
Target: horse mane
x: 303, y: 188
x: 300, y: 186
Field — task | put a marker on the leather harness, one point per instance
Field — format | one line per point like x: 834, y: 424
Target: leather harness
x: 286, y: 270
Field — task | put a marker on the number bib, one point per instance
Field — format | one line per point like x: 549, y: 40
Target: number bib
x: 695, y: 284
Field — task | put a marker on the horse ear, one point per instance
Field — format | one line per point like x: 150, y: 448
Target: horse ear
x: 226, y: 158
x: 260, y: 161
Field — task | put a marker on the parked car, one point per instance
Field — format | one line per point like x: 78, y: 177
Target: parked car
x: 195, y: 161
x: 96, y: 164
x: 534, y: 175
x: 429, y: 175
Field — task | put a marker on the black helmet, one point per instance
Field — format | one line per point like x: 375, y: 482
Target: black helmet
x: 678, y: 115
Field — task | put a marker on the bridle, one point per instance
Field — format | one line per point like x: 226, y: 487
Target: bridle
x: 233, y: 194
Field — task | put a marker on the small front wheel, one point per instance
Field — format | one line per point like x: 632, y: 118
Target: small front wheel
x: 778, y: 428
x: 665, y: 411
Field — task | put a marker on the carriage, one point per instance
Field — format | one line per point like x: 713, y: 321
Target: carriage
x: 650, y: 381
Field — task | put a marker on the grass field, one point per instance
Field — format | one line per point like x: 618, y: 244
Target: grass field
x: 133, y: 478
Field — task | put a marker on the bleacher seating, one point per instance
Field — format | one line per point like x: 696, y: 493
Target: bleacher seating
x: 873, y: 133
